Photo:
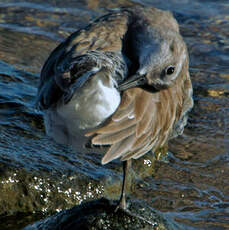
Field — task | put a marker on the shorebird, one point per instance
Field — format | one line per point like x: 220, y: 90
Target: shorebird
x: 122, y: 82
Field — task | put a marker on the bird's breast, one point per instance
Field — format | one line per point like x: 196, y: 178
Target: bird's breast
x: 91, y: 105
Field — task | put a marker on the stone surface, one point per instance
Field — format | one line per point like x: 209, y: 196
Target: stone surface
x: 101, y: 215
x: 58, y: 182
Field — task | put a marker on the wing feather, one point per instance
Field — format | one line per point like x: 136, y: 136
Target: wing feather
x: 118, y: 150
x: 129, y: 136
x: 140, y: 141
x: 111, y: 138
x: 114, y: 126
x: 123, y: 113
x: 155, y: 115
x: 141, y: 104
x: 143, y: 124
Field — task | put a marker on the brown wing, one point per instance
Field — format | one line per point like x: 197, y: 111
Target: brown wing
x: 144, y: 121
x: 104, y: 34
x: 134, y: 128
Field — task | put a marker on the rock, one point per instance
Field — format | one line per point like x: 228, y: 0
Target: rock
x: 100, y: 215
x: 43, y: 178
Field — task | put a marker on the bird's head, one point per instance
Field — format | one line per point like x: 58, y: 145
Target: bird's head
x: 160, y: 61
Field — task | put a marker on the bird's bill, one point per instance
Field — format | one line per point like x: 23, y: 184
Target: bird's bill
x: 134, y: 81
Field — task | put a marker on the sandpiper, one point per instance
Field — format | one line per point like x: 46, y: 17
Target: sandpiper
x: 122, y: 82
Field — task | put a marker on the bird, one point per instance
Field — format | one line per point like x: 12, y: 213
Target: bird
x: 120, y: 86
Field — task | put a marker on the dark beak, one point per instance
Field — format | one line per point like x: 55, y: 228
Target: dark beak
x: 133, y: 81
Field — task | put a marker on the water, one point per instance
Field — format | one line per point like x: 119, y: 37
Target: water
x: 193, y: 187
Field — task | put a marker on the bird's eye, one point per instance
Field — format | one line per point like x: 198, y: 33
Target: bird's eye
x: 170, y: 70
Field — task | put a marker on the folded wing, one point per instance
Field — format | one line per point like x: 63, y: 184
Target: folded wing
x: 144, y: 121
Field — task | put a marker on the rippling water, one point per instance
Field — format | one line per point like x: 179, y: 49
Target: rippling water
x: 193, y: 187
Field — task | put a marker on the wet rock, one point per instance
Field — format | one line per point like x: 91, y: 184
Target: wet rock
x: 216, y: 93
x: 26, y: 192
x: 38, y: 183
x: 101, y: 214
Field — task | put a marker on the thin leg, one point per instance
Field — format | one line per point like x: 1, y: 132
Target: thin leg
x: 122, y: 201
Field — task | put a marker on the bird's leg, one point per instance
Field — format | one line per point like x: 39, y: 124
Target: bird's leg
x: 122, y: 201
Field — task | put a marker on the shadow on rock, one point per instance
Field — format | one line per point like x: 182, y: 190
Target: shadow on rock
x: 100, y: 214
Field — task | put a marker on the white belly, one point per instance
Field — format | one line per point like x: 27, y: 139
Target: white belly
x: 89, y: 107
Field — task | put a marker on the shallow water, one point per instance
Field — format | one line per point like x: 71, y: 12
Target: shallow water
x: 193, y: 187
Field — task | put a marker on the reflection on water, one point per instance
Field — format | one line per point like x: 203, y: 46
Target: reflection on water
x: 193, y: 187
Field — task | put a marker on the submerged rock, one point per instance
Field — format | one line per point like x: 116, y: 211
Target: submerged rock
x: 100, y: 215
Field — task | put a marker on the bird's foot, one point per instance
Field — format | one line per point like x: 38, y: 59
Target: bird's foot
x: 123, y: 206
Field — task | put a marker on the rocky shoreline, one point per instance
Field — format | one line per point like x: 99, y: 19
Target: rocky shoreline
x: 72, y: 195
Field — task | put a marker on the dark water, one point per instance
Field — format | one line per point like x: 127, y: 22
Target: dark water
x: 193, y: 188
